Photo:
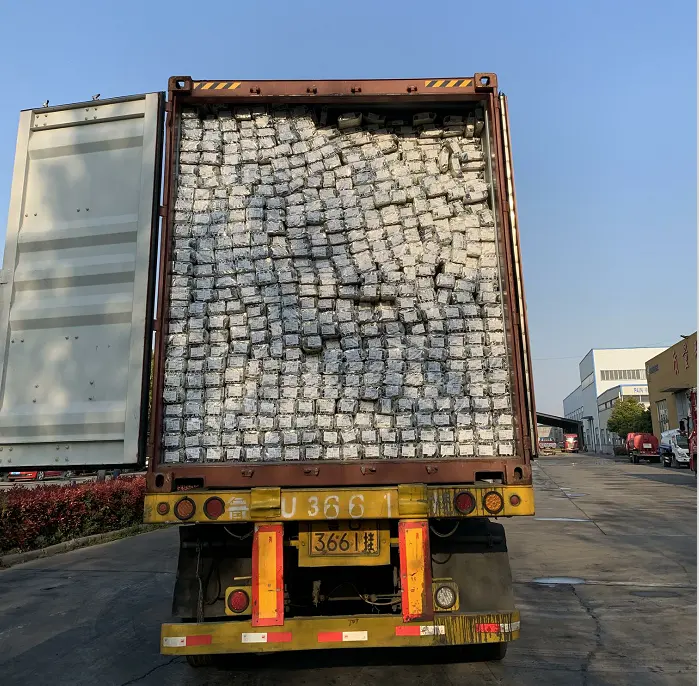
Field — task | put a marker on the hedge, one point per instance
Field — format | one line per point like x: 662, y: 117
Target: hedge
x: 32, y: 518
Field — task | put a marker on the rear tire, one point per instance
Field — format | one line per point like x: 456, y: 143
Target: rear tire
x: 197, y: 661
x: 492, y: 652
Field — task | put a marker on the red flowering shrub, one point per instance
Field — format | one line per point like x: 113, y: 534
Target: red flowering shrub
x: 33, y: 518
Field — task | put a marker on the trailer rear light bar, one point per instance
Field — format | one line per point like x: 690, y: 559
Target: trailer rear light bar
x: 403, y: 501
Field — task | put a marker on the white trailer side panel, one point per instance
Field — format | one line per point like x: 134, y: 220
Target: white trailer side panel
x: 74, y: 293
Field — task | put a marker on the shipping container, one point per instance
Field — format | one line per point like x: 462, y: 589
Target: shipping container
x: 341, y: 375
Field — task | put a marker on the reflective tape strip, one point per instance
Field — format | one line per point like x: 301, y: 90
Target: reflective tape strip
x: 415, y: 570
x: 421, y: 630
x: 268, y: 575
x: 341, y: 636
x: 186, y: 641
x: 267, y: 637
x: 497, y: 628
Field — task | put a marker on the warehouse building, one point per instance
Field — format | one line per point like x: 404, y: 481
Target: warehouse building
x: 602, y: 370
x: 672, y: 377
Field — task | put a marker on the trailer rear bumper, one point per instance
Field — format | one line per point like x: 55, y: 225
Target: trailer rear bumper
x: 315, y: 633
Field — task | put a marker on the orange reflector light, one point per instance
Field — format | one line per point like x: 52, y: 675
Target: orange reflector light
x: 214, y: 508
x: 493, y: 502
x: 163, y: 508
x: 185, y: 509
x: 238, y: 601
x: 515, y: 499
x: 464, y: 502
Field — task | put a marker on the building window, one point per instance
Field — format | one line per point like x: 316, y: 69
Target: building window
x: 622, y: 374
x: 587, y: 381
x: 663, y: 422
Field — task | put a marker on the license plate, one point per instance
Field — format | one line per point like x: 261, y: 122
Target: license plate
x: 360, y: 542
x: 647, y: 446
x: 344, y: 538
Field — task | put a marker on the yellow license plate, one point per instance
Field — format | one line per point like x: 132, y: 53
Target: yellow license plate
x: 346, y: 538
x: 364, y: 542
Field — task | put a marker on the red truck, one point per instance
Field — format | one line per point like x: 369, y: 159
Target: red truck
x: 571, y: 443
x: 642, y: 446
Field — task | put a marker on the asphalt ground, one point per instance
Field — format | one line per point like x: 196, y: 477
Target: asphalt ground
x: 605, y: 578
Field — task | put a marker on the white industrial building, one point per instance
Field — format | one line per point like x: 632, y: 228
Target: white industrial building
x: 605, y: 403
x: 602, y: 371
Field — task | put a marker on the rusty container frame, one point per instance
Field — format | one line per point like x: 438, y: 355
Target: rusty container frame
x: 482, y: 88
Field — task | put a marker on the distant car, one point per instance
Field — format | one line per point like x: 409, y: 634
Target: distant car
x: 33, y: 476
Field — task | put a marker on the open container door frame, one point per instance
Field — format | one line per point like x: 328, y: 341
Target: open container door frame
x: 78, y: 284
x: 481, y: 88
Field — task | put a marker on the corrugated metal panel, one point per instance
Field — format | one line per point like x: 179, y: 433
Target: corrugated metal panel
x: 75, y: 310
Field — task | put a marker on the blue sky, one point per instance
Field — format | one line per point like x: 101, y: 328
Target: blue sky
x: 602, y: 105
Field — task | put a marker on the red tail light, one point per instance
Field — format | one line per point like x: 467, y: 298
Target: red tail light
x: 464, y: 502
x: 515, y: 499
x: 214, y: 508
x: 238, y: 601
x: 163, y: 508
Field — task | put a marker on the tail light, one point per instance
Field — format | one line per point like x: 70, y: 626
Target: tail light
x: 185, y: 508
x: 464, y: 502
x: 515, y: 500
x: 163, y: 508
x: 238, y: 601
x: 214, y: 508
x: 493, y: 502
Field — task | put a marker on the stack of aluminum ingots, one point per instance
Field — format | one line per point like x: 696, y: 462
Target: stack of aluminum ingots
x: 335, y: 290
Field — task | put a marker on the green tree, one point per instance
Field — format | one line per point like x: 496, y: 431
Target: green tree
x: 628, y: 416
x: 645, y: 423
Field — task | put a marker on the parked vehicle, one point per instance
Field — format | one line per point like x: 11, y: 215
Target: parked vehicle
x: 547, y: 446
x: 33, y: 476
x: 674, y: 448
x: 642, y: 446
x: 306, y: 520
x: 693, y: 434
x: 571, y: 443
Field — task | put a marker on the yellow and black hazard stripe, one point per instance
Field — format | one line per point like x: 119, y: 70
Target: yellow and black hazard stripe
x: 216, y: 85
x: 448, y: 83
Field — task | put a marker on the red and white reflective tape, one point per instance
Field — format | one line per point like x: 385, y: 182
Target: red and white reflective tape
x: 342, y: 636
x: 420, y: 630
x: 186, y: 641
x: 267, y: 637
x: 497, y: 628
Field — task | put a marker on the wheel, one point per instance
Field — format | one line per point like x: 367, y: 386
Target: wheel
x: 491, y: 652
x: 197, y: 661
x: 636, y: 459
x: 40, y: 476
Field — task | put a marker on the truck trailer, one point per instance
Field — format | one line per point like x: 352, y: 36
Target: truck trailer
x: 323, y: 280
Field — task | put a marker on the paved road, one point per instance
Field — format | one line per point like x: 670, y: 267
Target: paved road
x: 626, y: 533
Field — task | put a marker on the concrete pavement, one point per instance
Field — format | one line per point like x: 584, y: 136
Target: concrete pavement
x: 623, y: 535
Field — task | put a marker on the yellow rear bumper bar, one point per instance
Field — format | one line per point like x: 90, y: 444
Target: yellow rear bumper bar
x: 409, y: 501
x: 315, y: 633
